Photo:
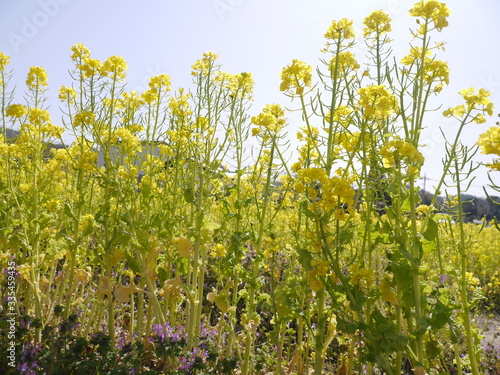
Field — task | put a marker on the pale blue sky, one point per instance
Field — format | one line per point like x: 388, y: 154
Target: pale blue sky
x: 257, y: 36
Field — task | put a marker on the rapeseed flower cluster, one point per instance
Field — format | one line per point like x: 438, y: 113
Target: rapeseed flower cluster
x: 432, y: 69
x: 160, y: 82
x: 37, y: 78
x: 83, y: 119
x: 474, y: 101
x: 397, y: 151
x: 4, y: 61
x: 115, y: 67
x: 340, y: 30
x: 377, y: 22
x: 16, y: 110
x: 296, y: 76
x: 80, y: 52
x: 179, y: 105
x: 377, y: 102
x: 489, y: 143
x: 344, y: 63
x: 239, y: 85
x: 38, y: 116
x: 205, y: 64
x: 342, y: 115
x: 272, y: 119
x: 91, y: 68
x: 330, y: 195
x: 67, y: 94
x: 158, y: 87
x: 431, y: 11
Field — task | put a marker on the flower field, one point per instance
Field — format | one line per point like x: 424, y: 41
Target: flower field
x: 153, y: 244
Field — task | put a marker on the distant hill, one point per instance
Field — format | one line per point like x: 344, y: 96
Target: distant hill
x: 474, y: 208
x: 11, y: 133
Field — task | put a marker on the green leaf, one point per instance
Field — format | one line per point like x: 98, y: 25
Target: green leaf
x: 305, y: 258
x: 304, y: 206
x: 403, y: 274
x: 132, y: 263
x: 406, y: 206
x: 406, y: 254
x: 209, y: 224
x: 431, y: 232
x: 189, y: 195
x: 68, y: 210
x: 440, y: 315
x: 345, y: 326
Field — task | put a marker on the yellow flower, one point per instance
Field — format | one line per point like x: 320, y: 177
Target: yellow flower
x: 316, y: 285
x: 271, y: 118
x: 377, y: 22
x: 37, y: 77
x: 84, y: 118
x: 340, y: 30
x: 361, y: 275
x: 150, y: 96
x: 205, y: 64
x: 377, y: 102
x: 16, y: 110
x: 317, y: 174
x: 431, y: 10
x: 489, y: 143
x: 67, y: 94
x: 129, y: 141
x: 131, y: 101
x: 90, y: 67
x: 341, y: 115
x: 4, y: 61
x: 80, y: 52
x: 160, y: 81
x: 51, y: 130
x: 240, y: 85
x: 115, y: 67
x: 86, y: 220
x: 416, y: 54
x: 179, y: 105
x: 38, y: 116
x: 184, y: 247
x: 397, y: 150
x: 475, y: 100
x: 218, y: 250
x: 343, y: 63
x: 297, y: 75
x: 437, y: 69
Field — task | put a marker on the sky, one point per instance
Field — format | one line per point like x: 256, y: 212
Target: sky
x: 257, y: 36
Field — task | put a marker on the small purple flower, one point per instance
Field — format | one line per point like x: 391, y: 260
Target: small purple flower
x: 442, y: 279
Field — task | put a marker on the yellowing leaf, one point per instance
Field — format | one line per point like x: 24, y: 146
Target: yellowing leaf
x: 184, y: 247
x: 116, y: 257
x: 386, y: 291
x: 419, y: 370
x: 122, y: 293
x: 221, y: 303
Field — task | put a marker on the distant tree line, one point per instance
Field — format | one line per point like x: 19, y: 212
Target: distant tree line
x: 474, y: 208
